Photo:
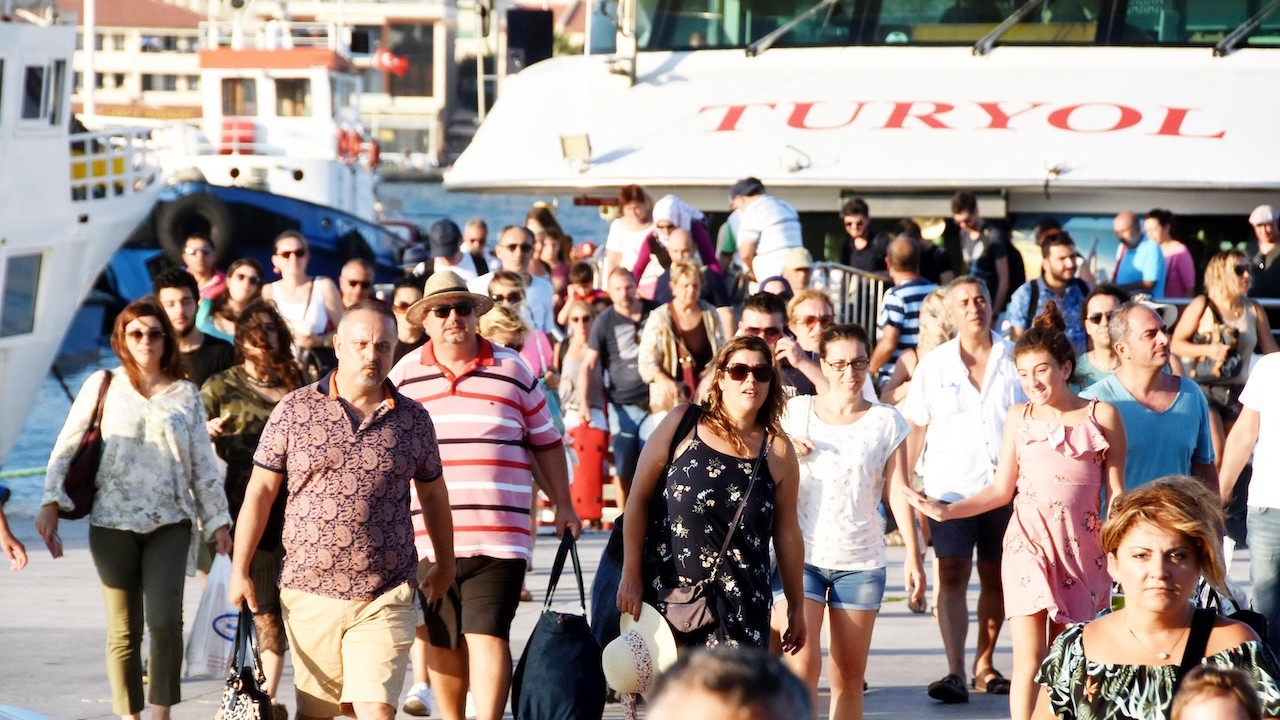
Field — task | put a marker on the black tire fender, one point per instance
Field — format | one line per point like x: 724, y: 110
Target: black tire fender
x: 198, y: 212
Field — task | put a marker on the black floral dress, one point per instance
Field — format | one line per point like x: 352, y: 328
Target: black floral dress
x: 687, y: 524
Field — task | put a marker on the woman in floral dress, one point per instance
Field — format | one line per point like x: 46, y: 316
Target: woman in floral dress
x: 1059, y: 452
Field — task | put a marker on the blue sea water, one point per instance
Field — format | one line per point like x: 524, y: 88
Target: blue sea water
x: 424, y: 203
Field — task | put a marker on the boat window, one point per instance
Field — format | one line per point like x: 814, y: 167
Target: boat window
x: 57, y: 86
x: 33, y: 90
x: 1194, y: 22
x: 293, y: 97
x: 698, y: 24
x: 239, y: 97
x: 18, y: 304
x: 951, y: 22
x: 3, y: 102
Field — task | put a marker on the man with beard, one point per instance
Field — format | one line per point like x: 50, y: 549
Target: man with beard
x: 1057, y: 282
x: 177, y: 293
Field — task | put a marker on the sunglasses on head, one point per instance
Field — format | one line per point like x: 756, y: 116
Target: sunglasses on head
x: 511, y: 297
x: 150, y: 335
x: 739, y: 371
x: 821, y: 320
x: 1241, y: 269
x: 1099, y: 318
x: 464, y: 309
x: 362, y: 284
x: 772, y: 333
x: 288, y: 254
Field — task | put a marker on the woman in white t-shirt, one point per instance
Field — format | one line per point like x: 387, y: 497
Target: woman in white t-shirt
x: 848, y: 447
x: 628, y: 232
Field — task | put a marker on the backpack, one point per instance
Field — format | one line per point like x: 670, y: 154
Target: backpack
x: 1034, y: 304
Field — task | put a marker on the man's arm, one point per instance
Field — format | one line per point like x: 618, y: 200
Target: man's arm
x: 263, y: 487
x: 884, y: 348
x: 433, y: 496
x: 1236, y: 451
x: 585, y: 372
x: 552, y: 475
x: 747, y: 251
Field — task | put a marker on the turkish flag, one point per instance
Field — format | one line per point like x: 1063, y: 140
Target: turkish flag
x: 387, y: 61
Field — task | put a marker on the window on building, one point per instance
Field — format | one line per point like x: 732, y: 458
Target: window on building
x: 193, y: 82
x: 117, y: 80
x: 21, y: 285
x: 415, y: 43
x: 293, y: 97
x: 99, y: 81
x: 33, y: 90
x: 159, y: 83
x: 239, y: 97
x: 98, y: 41
x: 117, y: 42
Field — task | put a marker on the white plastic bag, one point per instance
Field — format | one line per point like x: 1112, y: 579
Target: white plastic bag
x: 213, y: 633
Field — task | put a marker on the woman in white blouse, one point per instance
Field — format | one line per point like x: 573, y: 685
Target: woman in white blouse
x: 158, y: 480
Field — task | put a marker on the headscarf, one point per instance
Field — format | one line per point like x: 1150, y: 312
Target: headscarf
x: 676, y: 211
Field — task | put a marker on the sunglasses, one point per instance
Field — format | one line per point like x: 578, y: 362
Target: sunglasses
x: 839, y: 366
x: 150, y: 335
x: 401, y: 306
x: 854, y: 223
x: 580, y: 319
x: 251, y: 279
x: 289, y: 254
x: 362, y: 284
x: 525, y: 247
x: 1241, y: 270
x: 739, y: 372
x: 772, y: 333
x: 511, y: 297
x: 820, y: 320
x: 463, y: 309
x: 197, y: 251
x: 1099, y: 318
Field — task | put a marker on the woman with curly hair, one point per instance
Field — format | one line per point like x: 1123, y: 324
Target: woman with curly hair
x: 688, y: 490
x: 238, y: 402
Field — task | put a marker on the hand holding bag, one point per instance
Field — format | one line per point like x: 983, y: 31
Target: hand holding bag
x: 81, y: 480
x: 244, y: 697
x: 560, y: 675
x: 1211, y: 371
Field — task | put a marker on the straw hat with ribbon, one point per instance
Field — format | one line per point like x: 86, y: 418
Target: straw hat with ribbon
x: 633, y: 661
x: 445, y: 287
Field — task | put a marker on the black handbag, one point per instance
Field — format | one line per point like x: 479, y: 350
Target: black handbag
x: 560, y: 675
x: 245, y: 698
x: 1207, y: 371
x: 81, y: 480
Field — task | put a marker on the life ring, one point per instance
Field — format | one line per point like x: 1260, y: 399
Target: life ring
x: 196, y: 213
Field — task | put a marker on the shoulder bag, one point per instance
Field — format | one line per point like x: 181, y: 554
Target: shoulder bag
x: 560, y: 675
x: 1208, y: 371
x: 81, y: 480
x: 244, y: 697
x: 688, y: 609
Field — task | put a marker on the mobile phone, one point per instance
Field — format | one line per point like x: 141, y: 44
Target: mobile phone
x: 55, y: 546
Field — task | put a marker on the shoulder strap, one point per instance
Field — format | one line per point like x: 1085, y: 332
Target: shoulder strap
x: 1031, y: 306
x: 102, y: 396
x: 1197, y: 641
x: 687, y: 422
x: 737, y: 516
x: 1213, y: 308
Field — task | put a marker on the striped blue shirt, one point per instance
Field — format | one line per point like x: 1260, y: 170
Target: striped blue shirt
x: 900, y: 308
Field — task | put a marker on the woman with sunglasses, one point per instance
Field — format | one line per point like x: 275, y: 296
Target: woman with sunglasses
x: 679, y: 340
x: 157, y: 482
x: 217, y: 316
x: 1099, y: 360
x: 848, y: 447
x: 569, y: 356
x: 238, y: 402
x: 687, y: 491
x: 310, y: 305
x: 1222, y: 325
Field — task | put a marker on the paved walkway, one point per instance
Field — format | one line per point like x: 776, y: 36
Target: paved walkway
x: 52, y: 639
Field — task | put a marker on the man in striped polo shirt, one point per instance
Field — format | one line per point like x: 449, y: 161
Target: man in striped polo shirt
x: 898, y: 323
x: 495, y: 434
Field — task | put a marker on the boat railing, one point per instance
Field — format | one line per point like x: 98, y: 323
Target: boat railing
x: 274, y: 35
x: 855, y: 294
x: 115, y: 162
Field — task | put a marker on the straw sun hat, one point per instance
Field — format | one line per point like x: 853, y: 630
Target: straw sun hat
x: 444, y: 286
x: 646, y: 647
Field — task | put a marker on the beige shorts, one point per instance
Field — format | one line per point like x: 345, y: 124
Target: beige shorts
x: 348, y: 651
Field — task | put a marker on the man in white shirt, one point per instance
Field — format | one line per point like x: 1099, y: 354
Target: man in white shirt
x: 515, y: 250
x: 767, y: 228
x: 445, y: 240
x: 959, y: 397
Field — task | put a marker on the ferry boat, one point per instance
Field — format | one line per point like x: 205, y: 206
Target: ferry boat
x: 1075, y: 109
x: 67, y: 201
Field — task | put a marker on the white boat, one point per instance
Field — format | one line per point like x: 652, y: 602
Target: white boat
x: 67, y: 201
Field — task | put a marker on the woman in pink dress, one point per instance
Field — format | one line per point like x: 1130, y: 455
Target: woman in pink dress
x: 1179, y: 268
x: 1059, y: 452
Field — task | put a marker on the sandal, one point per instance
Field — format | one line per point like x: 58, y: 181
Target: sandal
x: 993, y: 683
x: 949, y: 690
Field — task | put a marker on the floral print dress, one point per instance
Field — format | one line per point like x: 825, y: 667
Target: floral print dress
x: 687, y: 523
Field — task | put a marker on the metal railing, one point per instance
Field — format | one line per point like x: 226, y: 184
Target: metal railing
x: 112, y: 163
x: 274, y: 35
x: 855, y: 294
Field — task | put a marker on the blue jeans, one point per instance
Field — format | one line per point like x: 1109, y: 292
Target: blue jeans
x: 624, y: 426
x: 1264, y: 568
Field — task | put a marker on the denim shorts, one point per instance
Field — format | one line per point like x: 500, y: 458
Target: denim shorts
x: 840, y: 589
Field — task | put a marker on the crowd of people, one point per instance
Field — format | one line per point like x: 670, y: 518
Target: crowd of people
x: 756, y: 447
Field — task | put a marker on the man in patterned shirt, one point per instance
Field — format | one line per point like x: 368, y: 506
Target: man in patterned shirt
x: 349, y: 447
x: 496, y: 437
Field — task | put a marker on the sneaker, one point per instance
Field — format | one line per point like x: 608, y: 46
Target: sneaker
x: 418, y: 702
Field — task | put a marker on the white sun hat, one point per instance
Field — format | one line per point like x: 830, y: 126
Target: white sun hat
x: 646, y: 647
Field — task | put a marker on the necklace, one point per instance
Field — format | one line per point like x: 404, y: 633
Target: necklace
x: 1161, y: 655
x: 272, y: 383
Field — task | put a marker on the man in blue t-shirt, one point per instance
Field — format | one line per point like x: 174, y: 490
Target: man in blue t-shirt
x: 1166, y: 418
x: 1139, y: 264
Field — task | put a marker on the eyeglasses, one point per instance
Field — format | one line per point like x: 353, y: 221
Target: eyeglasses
x: 580, y: 319
x: 839, y: 366
x: 463, y: 309
x: 151, y: 335
x: 198, y: 251
x: 251, y: 279
x: 739, y: 371
x: 402, y: 306
x: 289, y: 254
x: 524, y: 247
x: 511, y: 297
x: 1241, y: 270
x: 1099, y: 318
x: 771, y: 333
x: 362, y: 284
x: 820, y: 320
